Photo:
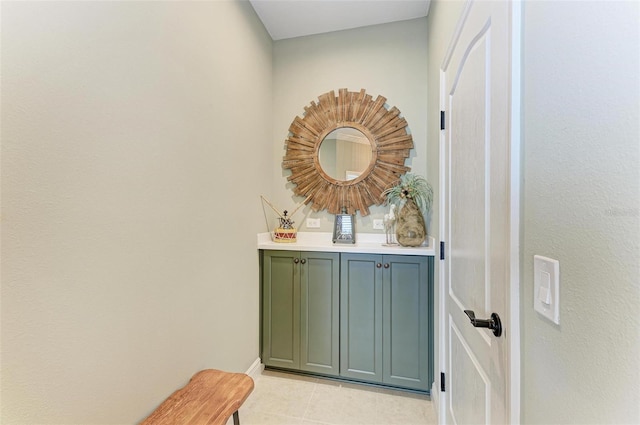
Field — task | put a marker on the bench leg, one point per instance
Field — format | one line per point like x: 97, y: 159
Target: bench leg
x: 236, y: 418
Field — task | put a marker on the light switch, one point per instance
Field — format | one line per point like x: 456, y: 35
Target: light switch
x: 544, y: 294
x: 546, y: 287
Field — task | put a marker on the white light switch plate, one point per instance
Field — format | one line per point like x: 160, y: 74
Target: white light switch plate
x: 313, y: 223
x: 378, y: 224
x: 546, y: 287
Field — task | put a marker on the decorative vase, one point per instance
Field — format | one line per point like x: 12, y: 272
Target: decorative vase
x: 410, y: 227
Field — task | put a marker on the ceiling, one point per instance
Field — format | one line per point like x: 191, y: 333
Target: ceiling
x: 296, y: 18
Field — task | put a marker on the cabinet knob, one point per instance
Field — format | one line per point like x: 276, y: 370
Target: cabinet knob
x: 378, y: 265
x: 386, y: 265
x: 303, y: 261
x: 296, y: 260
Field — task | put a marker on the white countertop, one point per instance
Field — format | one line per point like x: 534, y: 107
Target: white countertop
x: 366, y: 243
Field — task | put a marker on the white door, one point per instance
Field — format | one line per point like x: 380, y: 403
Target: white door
x: 476, y: 98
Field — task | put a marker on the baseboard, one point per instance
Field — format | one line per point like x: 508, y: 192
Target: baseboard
x: 435, y: 400
x: 255, y: 368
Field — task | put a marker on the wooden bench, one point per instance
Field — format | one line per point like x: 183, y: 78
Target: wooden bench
x: 210, y: 398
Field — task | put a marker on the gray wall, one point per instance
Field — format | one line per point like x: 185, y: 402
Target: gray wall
x: 388, y: 60
x: 581, y: 114
x: 581, y: 203
x: 130, y: 206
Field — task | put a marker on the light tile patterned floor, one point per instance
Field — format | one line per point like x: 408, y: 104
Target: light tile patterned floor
x: 288, y: 399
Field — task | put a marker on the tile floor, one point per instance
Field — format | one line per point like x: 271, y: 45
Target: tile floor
x: 288, y: 399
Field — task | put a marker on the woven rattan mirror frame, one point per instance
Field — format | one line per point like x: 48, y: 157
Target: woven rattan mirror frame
x: 390, y: 145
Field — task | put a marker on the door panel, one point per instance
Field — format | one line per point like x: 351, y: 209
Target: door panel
x: 361, y: 317
x: 476, y: 91
x: 281, y: 310
x: 406, y: 323
x: 469, y: 385
x: 468, y: 158
x: 319, y: 312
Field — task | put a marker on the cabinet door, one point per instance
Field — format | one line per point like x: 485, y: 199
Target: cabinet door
x: 361, y: 317
x: 319, y: 312
x: 281, y: 309
x: 407, y: 325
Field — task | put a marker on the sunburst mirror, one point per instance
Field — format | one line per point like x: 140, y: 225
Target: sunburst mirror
x: 346, y: 150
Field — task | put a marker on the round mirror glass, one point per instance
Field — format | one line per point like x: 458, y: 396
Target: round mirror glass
x: 345, y: 154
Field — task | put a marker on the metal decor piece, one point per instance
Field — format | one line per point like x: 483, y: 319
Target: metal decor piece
x: 344, y: 228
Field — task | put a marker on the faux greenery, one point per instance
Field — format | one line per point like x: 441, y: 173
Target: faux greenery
x: 414, y: 187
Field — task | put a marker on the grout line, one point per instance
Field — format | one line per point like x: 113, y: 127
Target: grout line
x: 306, y: 410
x: 294, y: 419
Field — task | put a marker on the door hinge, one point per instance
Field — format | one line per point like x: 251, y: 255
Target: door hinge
x: 441, y: 250
x: 442, y: 387
x: 441, y: 120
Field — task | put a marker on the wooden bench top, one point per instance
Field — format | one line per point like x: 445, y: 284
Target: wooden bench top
x: 210, y: 397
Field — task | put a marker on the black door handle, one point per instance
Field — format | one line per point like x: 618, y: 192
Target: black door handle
x: 494, y: 323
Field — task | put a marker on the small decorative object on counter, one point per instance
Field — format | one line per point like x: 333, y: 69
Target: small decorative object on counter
x: 390, y: 226
x: 414, y: 194
x: 285, y: 232
x: 344, y: 228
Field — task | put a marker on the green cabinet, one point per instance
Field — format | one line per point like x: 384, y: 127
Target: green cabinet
x: 300, y: 311
x: 386, y: 329
x: 362, y: 317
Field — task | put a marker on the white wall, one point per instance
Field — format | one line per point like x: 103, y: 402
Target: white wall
x: 135, y: 141
x: 388, y: 60
x: 581, y: 145
x: 581, y: 203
